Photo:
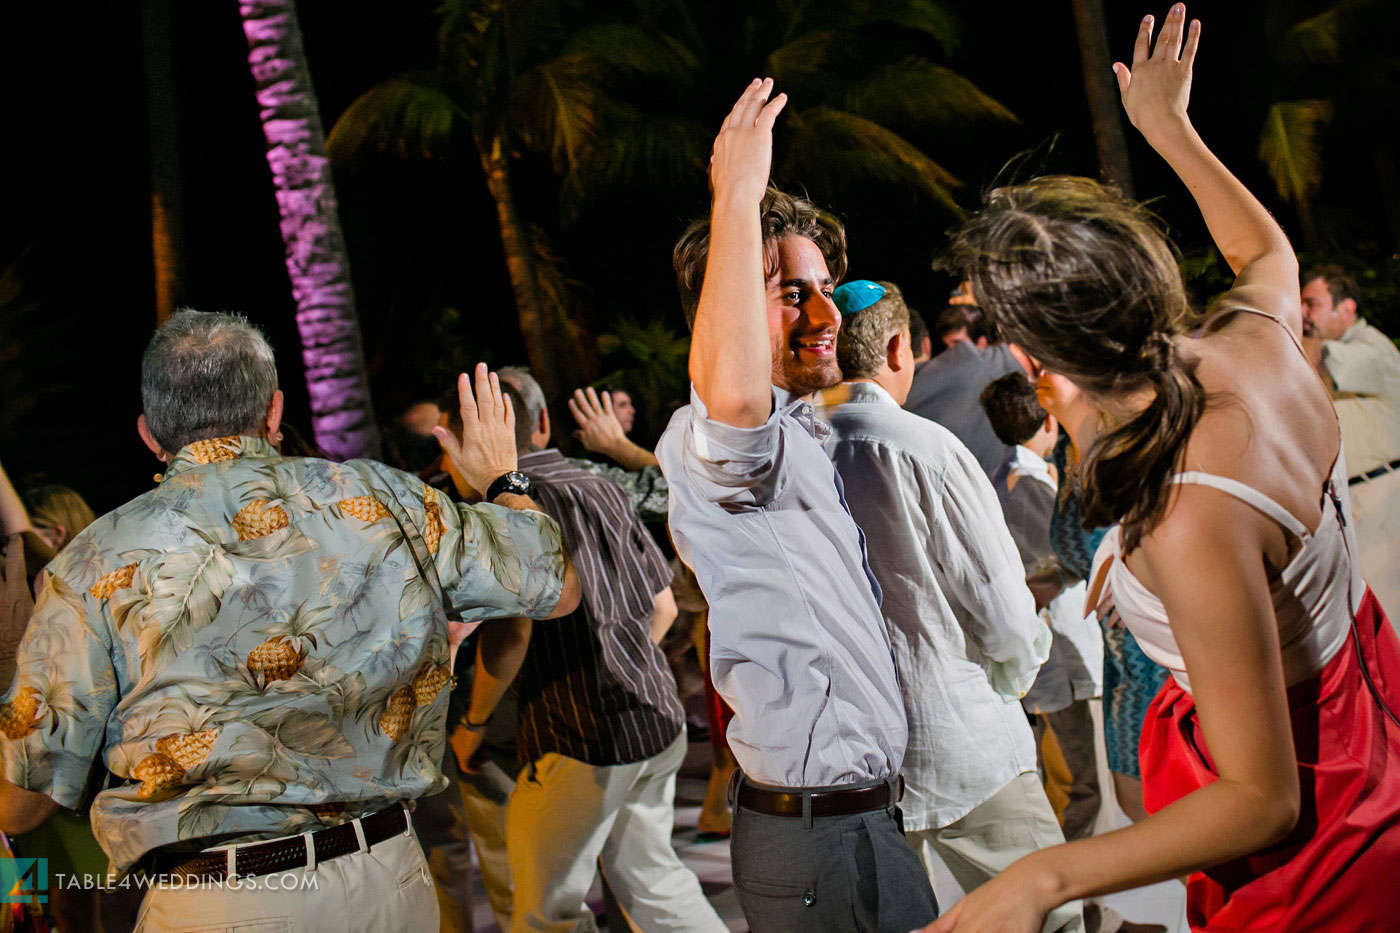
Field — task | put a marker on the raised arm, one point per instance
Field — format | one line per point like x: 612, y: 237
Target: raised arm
x: 13, y: 516
x: 600, y: 431
x: 1156, y: 90
x: 730, y: 354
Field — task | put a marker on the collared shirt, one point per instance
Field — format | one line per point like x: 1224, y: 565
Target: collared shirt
x: 644, y: 488
x: 1365, y: 368
x: 967, y: 640
x: 1074, y: 670
x: 797, y: 644
x: 594, y: 687
x: 948, y: 389
x: 252, y: 649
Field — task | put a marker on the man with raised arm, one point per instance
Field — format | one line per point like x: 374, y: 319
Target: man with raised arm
x: 797, y: 643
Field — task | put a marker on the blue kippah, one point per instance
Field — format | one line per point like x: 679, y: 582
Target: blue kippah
x: 856, y: 296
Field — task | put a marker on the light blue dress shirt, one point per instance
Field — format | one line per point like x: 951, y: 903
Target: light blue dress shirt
x: 797, y: 644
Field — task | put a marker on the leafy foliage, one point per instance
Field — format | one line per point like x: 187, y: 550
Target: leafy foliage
x: 1290, y: 147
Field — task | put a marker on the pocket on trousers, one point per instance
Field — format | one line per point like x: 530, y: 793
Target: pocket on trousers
x: 795, y: 893
x: 280, y: 925
x: 418, y: 874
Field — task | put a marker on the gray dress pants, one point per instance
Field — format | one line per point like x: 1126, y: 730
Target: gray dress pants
x: 840, y: 873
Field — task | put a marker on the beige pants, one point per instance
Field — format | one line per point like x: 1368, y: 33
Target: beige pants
x: 384, y: 890
x: 1016, y: 821
x: 567, y: 817
x: 1375, y: 507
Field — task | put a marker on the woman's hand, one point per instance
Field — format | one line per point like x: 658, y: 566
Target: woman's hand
x: 1013, y: 902
x: 1157, y: 88
x: 743, y: 153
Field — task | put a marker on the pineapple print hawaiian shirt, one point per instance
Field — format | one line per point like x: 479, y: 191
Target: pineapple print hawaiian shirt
x: 253, y: 649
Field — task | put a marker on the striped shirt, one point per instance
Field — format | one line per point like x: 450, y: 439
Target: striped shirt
x: 594, y: 687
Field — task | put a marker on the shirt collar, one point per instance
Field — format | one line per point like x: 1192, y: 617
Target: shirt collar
x: 539, y: 458
x: 801, y: 411
x: 868, y: 392
x: 217, y: 449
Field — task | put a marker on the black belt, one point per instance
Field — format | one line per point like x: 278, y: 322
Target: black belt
x: 1381, y: 470
x: 263, y: 858
x: 834, y: 801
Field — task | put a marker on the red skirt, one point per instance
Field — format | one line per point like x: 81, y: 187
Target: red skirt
x: 1339, y: 870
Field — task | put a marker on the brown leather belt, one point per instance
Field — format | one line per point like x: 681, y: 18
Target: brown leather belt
x: 264, y: 858
x: 773, y: 801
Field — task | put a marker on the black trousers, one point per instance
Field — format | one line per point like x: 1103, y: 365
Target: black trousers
x: 840, y: 873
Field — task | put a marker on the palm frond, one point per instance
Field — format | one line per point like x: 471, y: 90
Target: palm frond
x: 920, y: 93
x: 918, y: 16
x: 1315, y: 39
x: 666, y: 150
x: 831, y: 149
x: 406, y: 115
x: 799, y: 62
x: 557, y: 110
x: 631, y: 50
x: 1290, y: 147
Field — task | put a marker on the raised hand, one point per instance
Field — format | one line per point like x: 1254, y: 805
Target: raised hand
x: 1157, y: 88
x: 599, y: 430
x: 486, y: 449
x: 743, y: 154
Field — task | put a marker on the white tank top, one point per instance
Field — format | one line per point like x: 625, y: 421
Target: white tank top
x: 1310, y: 594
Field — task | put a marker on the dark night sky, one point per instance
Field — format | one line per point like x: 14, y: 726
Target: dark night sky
x: 76, y: 237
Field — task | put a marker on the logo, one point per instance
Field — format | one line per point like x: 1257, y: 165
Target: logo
x: 24, y: 880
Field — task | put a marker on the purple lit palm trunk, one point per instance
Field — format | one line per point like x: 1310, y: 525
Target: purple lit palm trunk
x: 341, y: 417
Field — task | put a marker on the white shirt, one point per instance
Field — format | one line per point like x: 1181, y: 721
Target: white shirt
x: 797, y: 644
x: 967, y: 640
x: 1365, y: 367
x: 1075, y: 668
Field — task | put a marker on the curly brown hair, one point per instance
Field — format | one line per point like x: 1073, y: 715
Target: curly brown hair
x: 781, y: 215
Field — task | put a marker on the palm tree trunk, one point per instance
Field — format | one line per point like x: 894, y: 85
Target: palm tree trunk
x: 341, y: 416
x: 1102, y: 91
x: 163, y: 142
x: 530, y: 303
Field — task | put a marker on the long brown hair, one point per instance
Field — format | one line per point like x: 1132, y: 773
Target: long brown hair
x: 1084, y: 280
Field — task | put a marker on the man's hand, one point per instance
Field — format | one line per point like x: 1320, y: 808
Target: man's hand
x: 486, y: 449
x: 16, y: 606
x: 1157, y: 88
x: 467, y: 745
x: 601, y: 432
x: 743, y: 152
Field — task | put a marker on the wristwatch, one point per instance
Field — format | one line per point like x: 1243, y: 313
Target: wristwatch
x: 515, y: 483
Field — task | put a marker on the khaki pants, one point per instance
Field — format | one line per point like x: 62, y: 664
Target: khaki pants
x: 565, y: 816
x: 1375, y: 507
x: 386, y: 889
x: 1017, y: 820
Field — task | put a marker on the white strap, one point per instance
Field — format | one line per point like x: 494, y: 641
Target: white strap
x: 231, y: 870
x: 360, y: 835
x: 1249, y: 494
x: 310, y: 851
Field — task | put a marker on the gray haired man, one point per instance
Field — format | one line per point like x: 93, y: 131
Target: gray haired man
x: 257, y: 650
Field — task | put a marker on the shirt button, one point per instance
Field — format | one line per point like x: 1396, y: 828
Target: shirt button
x: 809, y: 898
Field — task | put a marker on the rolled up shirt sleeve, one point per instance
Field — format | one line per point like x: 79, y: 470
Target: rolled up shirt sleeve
x: 733, y: 467
x: 495, y: 562
x: 983, y: 578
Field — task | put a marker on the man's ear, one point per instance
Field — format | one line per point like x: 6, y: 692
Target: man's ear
x: 892, y: 351
x: 151, y: 443
x: 1347, y: 308
x: 542, y: 426
x: 274, y: 413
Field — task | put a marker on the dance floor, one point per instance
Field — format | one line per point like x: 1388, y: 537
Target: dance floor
x: 1161, y: 903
